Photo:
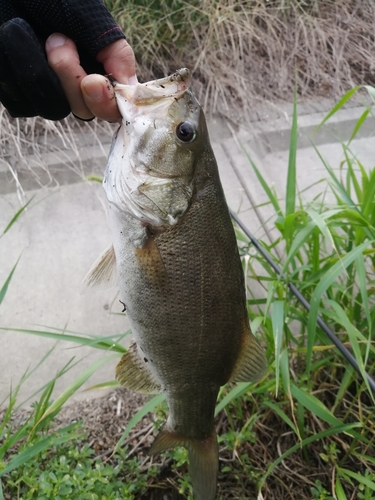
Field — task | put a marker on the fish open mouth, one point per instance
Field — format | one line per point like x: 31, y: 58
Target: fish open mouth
x: 145, y: 93
x: 150, y: 168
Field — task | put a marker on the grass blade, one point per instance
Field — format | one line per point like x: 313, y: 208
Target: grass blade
x: 4, y: 289
x: 362, y: 479
x: 370, y: 90
x: 353, y: 335
x: 237, y: 391
x: 320, y: 435
x: 74, y: 386
x: 290, y: 203
x: 359, y: 124
x: 338, y: 106
x: 277, y: 316
x: 314, y: 405
x: 282, y: 415
x: 148, y: 407
x: 331, y: 275
x: 113, y: 384
x: 16, y: 216
x: 97, y: 342
x: 273, y: 199
x: 339, y: 490
x: 35, y: 449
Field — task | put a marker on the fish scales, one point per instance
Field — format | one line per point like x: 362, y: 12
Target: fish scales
x: 191, y: 319
x: 178, y: 268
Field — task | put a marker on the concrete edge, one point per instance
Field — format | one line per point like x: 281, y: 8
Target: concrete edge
x: 53, y: 168
x: 268, y: 138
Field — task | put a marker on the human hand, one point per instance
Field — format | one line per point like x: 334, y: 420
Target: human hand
x: 94, y: 45
x: 91, y: 95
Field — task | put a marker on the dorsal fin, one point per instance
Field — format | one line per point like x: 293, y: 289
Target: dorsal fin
x: 102, y: 274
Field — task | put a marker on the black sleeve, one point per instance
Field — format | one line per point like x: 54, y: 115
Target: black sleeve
x: 28, y: 86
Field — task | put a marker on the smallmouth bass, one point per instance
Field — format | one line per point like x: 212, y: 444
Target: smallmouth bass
x: 178, y: 268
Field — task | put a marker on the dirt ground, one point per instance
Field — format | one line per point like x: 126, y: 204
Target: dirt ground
x: 106, y: 418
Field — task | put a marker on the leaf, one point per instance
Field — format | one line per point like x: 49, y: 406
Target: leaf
x: 370, y: 90
x: 358, y: 477
x: 290, y: 204
x: 339, y: 490
x: 74, y: 386
x: 330, y: 276
x: 315, y: 437
x: 4, y: 289
x: 274, y: 201
x: 237, y: 391
x: 147, y: 408
x: 282, y: 415
x: 298, y: 241
x: 36, y: 448
x: 359, y: 124
x: 104, y: 385
x: 95, y: 178
x: 314, y: 405
x: 17, y: 215
x: 284, y: 368
x: 319, y: 220
x: 277, y: 316
x: 365, y: 458
x: 338, y: 106
x: 353, y: 334
x: 96, y: 342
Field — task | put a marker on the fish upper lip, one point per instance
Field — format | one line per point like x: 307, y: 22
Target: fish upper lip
x: 171, y: 86
x: 181, y: 75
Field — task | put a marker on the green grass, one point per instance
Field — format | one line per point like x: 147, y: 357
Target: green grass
x: 306, y: 430
x: 69, y: 471
x: 329, y: 256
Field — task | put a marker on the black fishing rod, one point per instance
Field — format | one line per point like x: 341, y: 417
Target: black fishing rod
x: 333, y: 338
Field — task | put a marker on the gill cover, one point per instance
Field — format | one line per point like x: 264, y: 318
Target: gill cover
x: 150, y: 169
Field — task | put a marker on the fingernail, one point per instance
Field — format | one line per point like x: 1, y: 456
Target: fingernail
x: 133, y: 80
x: 55, y: 40
x: 93, y: 90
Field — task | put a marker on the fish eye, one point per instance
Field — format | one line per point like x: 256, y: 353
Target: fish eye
x: 186, y: 132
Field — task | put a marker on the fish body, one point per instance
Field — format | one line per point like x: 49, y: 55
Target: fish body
x: 178, y: 268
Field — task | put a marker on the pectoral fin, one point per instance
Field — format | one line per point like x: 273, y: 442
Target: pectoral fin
x: 132, y: 372
x: 150, y: 260
x: 102, y: 274
x: 252, y: 363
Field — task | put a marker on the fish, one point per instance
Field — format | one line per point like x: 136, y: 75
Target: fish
x: 178, y: 268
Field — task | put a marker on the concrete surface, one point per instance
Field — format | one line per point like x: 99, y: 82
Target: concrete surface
x: 65, y: 230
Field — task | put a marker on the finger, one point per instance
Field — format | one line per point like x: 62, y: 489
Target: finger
x: 100, y: 98
x: 64, y: 60
x: 119, y: 61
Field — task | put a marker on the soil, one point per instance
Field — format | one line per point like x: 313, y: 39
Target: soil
x: 105, y: 419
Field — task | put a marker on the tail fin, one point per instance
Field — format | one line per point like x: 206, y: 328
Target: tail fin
x: 203, y: 460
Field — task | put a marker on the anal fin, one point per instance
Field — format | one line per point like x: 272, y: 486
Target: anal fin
x: 132, y: 372
x: 252, y: 363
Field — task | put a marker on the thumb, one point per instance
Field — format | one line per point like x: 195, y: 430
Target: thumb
x: 119, y: 61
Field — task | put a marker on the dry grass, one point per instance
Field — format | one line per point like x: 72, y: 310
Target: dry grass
x: 33, y: 150
x: 243, y: 52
